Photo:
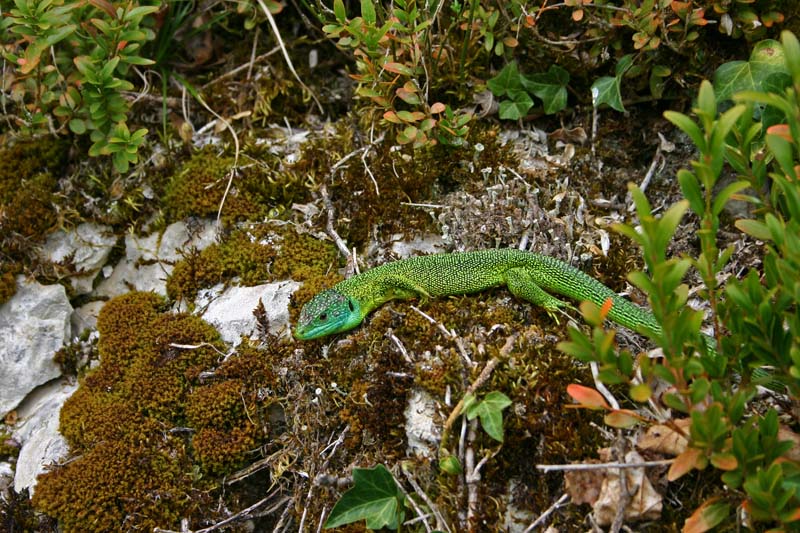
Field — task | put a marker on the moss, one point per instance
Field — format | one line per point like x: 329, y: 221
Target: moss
x: 130, y: 467
x: 256, y: 254
x: 28, y: 184
x: 256, y: 192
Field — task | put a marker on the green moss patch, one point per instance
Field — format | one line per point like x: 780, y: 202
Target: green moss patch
x: 255, y: 254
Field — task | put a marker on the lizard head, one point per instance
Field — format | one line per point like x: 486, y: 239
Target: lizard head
x: 327, y: 313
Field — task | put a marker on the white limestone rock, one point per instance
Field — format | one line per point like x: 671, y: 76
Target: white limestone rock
x: 34, y: 324
x: 88, y: 246
x: 149, y: 260
x: 422, y: 429
x: 231, y: 310
x: 37, y: 430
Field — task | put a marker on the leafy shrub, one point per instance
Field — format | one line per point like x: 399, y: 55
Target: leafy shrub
x: 756, y: 324
x: 71, y: 61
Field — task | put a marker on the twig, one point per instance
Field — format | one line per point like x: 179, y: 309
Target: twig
x: 603, y: 466
x: 550, y: 510
x: 440, y: 522
x: 286, y: 57
x: 432, y: 320
x: 245, y: 66
x: 482, y: 378
x: 397, y: 342
x: 241, y: 515
x: 340, y: 244
x: 601, y: 388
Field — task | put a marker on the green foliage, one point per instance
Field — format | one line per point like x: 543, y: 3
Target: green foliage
x: 490, y: 412
x: 713, y: 379
x: 401, y: 60
x: 374, y: 497
x: 549, y: 87
x: 77, y: 76
x: 608, y: 89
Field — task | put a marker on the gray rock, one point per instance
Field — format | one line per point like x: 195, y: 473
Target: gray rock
x: 88, y: 245
x: 37, y: 430
x: 34, y: 324
x: 231, y: 311
x: 422, y: 429
x: 149, y: 260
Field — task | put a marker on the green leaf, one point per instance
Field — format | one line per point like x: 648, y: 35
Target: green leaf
x: 339, y: 11
x: 77, y: 126
x: 517, y: 106
x: 550, y: 87
x: 607, y: 90
x: 688, y: 126
x: 506, y: 80
x: 736, y: 76
x: 374, y: 497
x: 368, y: 12
x: 490, y: 412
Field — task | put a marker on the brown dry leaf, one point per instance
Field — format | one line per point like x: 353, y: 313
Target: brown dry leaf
x: 645, y: 502
x: 663, y: 439
x: 784, y: 433
x: 583, y: 486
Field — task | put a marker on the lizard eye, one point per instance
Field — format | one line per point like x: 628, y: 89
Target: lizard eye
x: 323, y: 317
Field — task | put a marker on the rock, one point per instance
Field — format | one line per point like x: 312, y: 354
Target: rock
x: 231, y: 311
x: 429, y: 244
x: 149, y: 260
x: 87, y: 246
x: 85, y: 316
x: 37, y: 430
x: 34, y: 324
x: 422, y: 430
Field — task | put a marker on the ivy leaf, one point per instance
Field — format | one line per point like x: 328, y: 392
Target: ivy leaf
x: 490, y: 411
x: 766, y: 59
x: 607, y: 90
x: 506, y: 81
x: 550, y: 87
x: 374, y: 497
x: 518, y: 105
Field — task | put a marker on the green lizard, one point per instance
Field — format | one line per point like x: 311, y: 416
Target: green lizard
x: 527, y: 275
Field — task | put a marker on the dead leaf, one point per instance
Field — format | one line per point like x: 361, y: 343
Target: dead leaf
x: 583, y: 486
x: 645, y: 502
x: 665, y: 440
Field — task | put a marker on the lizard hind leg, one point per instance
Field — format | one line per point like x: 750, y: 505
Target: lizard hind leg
x: 522, y: 285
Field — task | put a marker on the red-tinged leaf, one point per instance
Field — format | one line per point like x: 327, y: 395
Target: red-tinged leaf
x: 411, y: 116
x: 724, y: 461
x: 781, y: 130
x: 587, y: 397
x: 792, y: 516
x: 707, y: 516
x: 530, y: 21
x: 606, y: 307
x: 398, y: 68
x: 407, y: 135
x: 577, y: 15
x: 685, y: 462
x: 680, y: 8
x: 510, y: 42
x: 410, y: 86
x: 408, y: 97
x: 427, y: 124
x: 621, y: 418
x: 106, y: 6
x: 437, y: 107
x: 391, y: 116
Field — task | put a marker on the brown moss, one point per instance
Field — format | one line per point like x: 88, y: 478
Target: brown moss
x: 130, y: 470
